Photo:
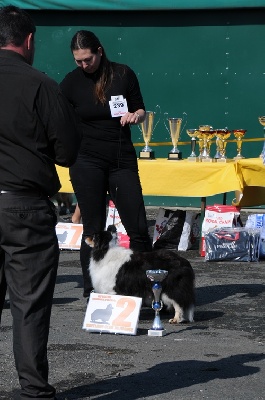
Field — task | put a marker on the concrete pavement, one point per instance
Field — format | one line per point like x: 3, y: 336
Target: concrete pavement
x: 219, y: 356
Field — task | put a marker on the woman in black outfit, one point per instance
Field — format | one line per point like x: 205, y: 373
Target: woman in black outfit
x: 107, y: 161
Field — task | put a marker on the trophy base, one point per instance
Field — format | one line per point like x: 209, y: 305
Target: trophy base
x: 207, y: 160
x: 193, y: 159
x: 175, y: 156
x: 155, y: 332
x: 147, y: 155
x: 238, y: 158
x: 223, y: 160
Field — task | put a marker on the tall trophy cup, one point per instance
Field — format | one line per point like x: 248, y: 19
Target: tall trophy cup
x: 206, y: 132
x: 192, y: 133
x: 174, y: 130
x: 157, y: 276
x: 222, y: 135
x: 239, y: 134
x: 201, y: 145
x: 147, y: 130
x: 218, y: 147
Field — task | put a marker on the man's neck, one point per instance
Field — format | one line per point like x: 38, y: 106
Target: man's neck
x: 16, y: 49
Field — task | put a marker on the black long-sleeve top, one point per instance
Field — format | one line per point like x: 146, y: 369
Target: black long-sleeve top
x: 103, y: 138
x: 37, y: 127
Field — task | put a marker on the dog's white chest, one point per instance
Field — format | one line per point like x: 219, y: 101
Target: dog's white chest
x: 103, y: 273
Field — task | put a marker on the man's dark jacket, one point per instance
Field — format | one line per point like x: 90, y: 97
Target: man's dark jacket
x: 37, y: 127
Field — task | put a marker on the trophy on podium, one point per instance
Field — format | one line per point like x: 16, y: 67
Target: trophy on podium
x: 239, y: 134
x: 193, y: 134
x: 157, y: 276
x: 221, y: 140
x: 175, y: 131
x: 147, y: 130
x: 206, y: 132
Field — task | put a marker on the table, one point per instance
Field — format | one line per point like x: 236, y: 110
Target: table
x: 251, y: 173
x: 162, y: 177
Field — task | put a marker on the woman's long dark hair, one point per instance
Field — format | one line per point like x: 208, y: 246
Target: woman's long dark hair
x: 88, y: 40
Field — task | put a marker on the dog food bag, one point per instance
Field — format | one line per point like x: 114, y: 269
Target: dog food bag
x: 232, y: 244
x: 219, y: 216
x: 191, y: 231
x: 258, y: 221
x: 161, y: 221
x: 176, y: 230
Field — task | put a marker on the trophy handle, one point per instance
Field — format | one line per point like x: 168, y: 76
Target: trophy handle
x: 158, y: 112
x: 166, y: 120
x: 184, y: 121
x: 159, y: 115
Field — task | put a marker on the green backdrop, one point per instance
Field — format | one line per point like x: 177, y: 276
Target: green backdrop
x: 209, y: 64
x: 131, y: 4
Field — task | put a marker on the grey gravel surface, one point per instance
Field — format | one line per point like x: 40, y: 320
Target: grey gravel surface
x: 219, y: 356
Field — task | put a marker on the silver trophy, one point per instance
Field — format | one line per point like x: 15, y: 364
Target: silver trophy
x: 175, y: 131
x: 193, y: 134
x: 147, y: 131
x: 157, y: 276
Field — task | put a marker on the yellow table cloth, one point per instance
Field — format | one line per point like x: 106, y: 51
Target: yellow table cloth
x: 251, y: 173
x: 64, y: 179
x: 162, y: 177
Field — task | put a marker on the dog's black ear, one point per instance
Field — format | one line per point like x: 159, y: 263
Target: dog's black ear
x: 112, y: 229
x: 96, y: 240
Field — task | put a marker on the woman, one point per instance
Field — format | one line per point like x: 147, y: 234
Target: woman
x: 107, y: 161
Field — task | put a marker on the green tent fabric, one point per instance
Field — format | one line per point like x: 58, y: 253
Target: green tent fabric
x: 120, y: 5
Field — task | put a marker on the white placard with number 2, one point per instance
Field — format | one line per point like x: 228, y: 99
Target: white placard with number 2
x: 112, y: 313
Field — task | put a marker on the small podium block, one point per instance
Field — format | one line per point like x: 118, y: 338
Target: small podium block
x: 175, y: 156
x: 147, y: 155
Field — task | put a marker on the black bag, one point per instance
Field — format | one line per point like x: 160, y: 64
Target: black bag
x: 232, y: 244
x: 172, y: 231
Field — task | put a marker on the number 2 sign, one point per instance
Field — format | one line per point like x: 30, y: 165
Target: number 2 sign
x: 112, y: 313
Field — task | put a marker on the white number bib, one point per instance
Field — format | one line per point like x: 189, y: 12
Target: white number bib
x: 118, y: 106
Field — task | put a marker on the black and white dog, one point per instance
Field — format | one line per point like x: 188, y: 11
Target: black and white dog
x: 117, y: 270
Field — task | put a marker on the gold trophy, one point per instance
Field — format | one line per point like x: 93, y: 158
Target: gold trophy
x: 206, y: 132
x: 239, y: 134
x: 193, y: 133
x: 147, y: 130
x: 174, y: 130
x: 262, y: 122
x: 221, y: 136
x: 201, y: 145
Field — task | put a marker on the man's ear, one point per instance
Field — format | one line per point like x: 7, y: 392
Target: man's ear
x: 29, y: 41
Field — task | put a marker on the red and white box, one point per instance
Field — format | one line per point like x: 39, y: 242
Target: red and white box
x: 219, y: 216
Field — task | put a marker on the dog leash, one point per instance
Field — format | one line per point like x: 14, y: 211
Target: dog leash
x: 118, y: 165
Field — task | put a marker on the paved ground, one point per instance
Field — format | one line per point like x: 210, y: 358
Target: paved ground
x: 219, y: 356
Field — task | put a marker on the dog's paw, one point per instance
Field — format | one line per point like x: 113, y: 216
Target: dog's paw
x: 174, y: 321
x: 179, y: 321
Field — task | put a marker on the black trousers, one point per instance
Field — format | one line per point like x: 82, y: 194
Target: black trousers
x: 29, y: 257
x: 92, y: 181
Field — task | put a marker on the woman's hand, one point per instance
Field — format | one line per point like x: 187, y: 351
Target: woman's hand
x: 133, y: 118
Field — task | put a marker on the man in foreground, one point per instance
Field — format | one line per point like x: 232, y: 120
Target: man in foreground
x: 37, y: 130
